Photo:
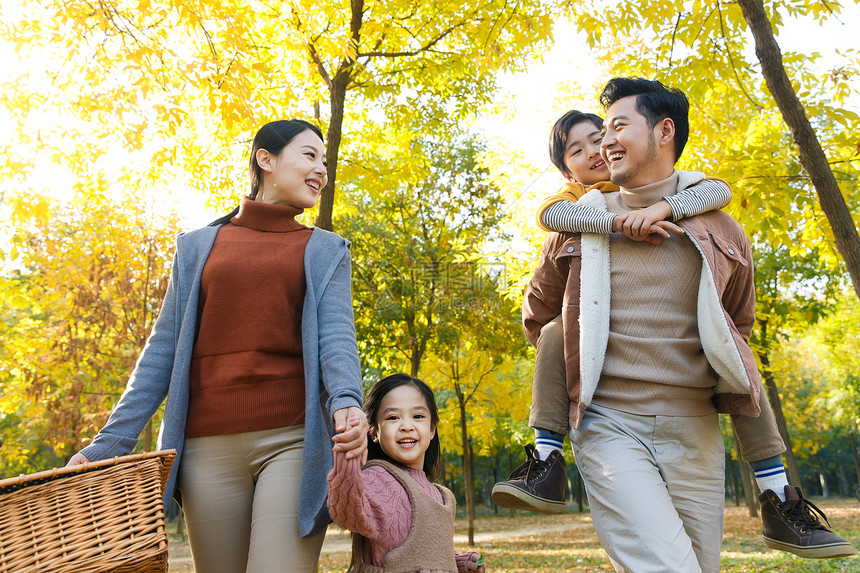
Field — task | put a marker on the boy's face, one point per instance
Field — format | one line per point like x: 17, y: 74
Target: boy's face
x: 582, y: 154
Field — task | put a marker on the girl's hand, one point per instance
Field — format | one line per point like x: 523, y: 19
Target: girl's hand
x: 476, y: 563
x: 351, y: 438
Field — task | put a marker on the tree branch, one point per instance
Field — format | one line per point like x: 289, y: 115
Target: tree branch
x: 674, y: 33
x: 731, y: 60
x: 424, y: 48
x: 309, y: 44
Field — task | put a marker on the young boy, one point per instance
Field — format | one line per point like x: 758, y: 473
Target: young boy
x: 538, y: 485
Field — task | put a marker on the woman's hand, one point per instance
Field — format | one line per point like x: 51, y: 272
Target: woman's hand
x: 77, y: 460
x: 351, y: 426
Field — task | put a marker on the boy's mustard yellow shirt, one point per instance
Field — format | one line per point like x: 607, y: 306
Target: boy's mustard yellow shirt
x: 571, y: 191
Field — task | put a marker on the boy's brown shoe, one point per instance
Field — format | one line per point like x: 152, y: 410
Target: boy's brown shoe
x: 792, y: 526
x: 537, y: 485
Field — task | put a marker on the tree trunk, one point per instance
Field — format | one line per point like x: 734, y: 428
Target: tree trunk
x: 497, y: 477
x: 337, y: 91
x: 332, y: 148
x: 749, y: 484
x: 512, y: 511
x: 415, y: 360
x: 471, y: 483
x: 856, y: 457
x: 825, y: 490
x: 776, y: 404
x: 467, y: 465
x: 812, y: 156
x: 844, y: 486
x: 733, y: 479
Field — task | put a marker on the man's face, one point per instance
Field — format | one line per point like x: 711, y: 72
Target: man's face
x: 582, y: 154
x: 629, y: 146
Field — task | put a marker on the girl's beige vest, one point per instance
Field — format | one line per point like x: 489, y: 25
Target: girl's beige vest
x: 429, y: 546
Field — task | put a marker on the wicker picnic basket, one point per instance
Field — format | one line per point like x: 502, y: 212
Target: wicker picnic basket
x: 93, y: 518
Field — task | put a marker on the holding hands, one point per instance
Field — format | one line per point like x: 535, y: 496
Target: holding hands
x: 351, y: 438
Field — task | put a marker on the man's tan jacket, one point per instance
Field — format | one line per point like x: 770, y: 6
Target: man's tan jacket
x: 573, y: 279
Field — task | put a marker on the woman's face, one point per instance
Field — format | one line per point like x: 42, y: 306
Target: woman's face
x: 403, y: 426
x: 296, y: 175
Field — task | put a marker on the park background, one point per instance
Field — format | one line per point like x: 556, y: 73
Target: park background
x: 125, y: 122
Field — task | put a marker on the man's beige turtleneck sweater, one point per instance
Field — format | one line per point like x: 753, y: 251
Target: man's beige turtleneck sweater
x: 654, y: 362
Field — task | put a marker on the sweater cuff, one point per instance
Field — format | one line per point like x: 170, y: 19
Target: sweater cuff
x: 462, y: 560
x: 344, y: 402
x: 675, y: 206
x: 106, y: 446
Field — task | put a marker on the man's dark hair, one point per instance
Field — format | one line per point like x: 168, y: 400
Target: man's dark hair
x: 558, y: 135
x: 655, y: 101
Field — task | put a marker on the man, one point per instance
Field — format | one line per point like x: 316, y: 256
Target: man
x: 655, y: 344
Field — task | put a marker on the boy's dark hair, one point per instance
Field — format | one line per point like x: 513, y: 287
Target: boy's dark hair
x: 273, y: 137
x: 654, y: 101
x: 558, y: 135
x: 372, y: 404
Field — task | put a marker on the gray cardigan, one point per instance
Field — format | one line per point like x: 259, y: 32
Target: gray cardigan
x: 332, y: 370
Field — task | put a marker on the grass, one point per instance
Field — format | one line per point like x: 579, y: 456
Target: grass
x: 530, y: 543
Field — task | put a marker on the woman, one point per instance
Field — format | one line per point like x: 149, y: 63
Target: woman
x: 255, y: 351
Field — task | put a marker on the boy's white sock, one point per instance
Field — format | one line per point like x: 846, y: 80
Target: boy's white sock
x: 770, y: 474
x: 546, y: 442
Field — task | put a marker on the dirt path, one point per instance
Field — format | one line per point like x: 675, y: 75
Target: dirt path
x: 337, y: 541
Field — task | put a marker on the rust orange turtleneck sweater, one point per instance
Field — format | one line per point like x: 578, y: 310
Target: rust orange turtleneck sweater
x: 247, y: 372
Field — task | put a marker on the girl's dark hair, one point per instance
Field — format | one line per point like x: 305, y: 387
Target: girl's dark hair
x: 558, y: 135
x: 372, y: 404
x: 272, y: 137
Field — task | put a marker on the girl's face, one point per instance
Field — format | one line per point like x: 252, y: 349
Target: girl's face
x: 403, y: 427
x: 296, y: 175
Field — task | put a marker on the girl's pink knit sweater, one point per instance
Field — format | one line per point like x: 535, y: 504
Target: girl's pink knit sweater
x: 372, y: 503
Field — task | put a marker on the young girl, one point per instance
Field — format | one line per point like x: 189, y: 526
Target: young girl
x: 255, y: 353
x: 401, y: 521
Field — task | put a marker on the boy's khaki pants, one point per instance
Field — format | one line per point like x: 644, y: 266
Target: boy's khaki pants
x: 240, y: 495
x: 758, y: 438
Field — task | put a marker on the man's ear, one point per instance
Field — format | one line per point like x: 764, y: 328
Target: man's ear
x: 666, y: 129
x: 264, y: 160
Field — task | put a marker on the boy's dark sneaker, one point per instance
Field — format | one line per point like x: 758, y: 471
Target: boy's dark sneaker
x: 792, y: 526
x: 537, y: 485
